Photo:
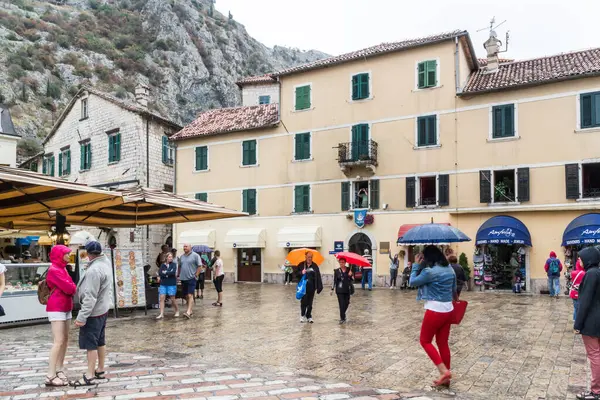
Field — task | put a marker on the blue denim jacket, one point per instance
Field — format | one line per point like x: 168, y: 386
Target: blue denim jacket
x: 436, y: 283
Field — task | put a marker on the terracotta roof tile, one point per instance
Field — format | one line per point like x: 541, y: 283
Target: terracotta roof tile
x: 483, y: 61
x: 372, y: 51
x: 226, y: 120
x: 536, y: 71
x: 255, y: 80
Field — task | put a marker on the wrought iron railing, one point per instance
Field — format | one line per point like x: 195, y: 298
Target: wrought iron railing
x: 591, y: 193
x: 428, y: 201
x: 358, y: 152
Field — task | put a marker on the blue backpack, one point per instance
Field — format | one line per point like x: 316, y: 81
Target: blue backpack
x: 301, y: 288
x: 554, y: 267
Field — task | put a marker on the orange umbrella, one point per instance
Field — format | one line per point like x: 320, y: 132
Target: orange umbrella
x: 296, y: 256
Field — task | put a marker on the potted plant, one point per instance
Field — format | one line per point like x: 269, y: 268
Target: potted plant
x: 464, y: 263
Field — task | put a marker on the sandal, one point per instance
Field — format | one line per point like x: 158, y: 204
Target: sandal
x: 100, y: 374
x: 55, y: 382
x: 62, y: 376
x: 217, y: 304
x: 443, y: 379
x: 84, y: 381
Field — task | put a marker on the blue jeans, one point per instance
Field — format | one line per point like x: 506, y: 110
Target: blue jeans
x: 367, y: 275
x: 575, y: 306
x: 554, y: 285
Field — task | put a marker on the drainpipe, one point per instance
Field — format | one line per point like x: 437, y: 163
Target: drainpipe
x: 456, y: 66
x: 147, y: 182
x: 279, y: 105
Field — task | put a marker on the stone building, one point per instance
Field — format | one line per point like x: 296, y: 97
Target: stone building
x: 112, y: 144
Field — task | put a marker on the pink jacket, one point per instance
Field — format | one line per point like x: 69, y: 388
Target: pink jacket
x: 59, y: 281
x: 576, y: 278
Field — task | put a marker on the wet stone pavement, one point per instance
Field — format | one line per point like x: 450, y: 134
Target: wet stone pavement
x: 508, y: 347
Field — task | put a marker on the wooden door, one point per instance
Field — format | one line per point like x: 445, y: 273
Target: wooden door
x: 249, y: 265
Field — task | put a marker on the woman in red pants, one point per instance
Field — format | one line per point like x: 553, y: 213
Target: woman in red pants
x: 436, y: 281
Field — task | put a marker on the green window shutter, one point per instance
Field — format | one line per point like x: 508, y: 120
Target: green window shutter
x: 374, y: 193
x: 356, y: 87
x: 198, y: 159
x: 306, y: 198
x: 204, y: 155
x: 111, y: 148
x: 252, y: 152
x: 503, y: 123
x: 421, y: 72
x: 427, y: 131
x: 422, y: 131
x: 52, y: 165
x: 498, y: 122
x: 249, y: 201
x: 60, y: 164
x: 45, y: 166
x: 264, y: 99
x: 68, y: 162
x: 302, y: 146
x: 89, y: 155
x: 118, y: 146
x: 245, y: 200
x: 509, y: 121
x: 431, y: 73
x: 245, y: 153
x: 82, y: 156
x: 596, y: 109
x: 202, y: 197
x: 307, y: 152
x: 249, y: 152
x: 345, y: 196
x: 364, y: 86
x: 303, y: 97
x: 165, y: 150
x: 302, y: 198
x: 586, y: 110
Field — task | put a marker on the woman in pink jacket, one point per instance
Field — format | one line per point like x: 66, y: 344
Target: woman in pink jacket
x: 59, y: 308
x: 576, y: 278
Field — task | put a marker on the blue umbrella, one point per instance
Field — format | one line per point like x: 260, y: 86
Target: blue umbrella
x: 201, y: 249
x: 433, y: 234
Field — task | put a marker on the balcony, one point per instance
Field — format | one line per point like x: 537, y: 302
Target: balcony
x: 358, y: 154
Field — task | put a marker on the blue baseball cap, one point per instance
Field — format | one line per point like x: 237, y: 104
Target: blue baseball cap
x: 93, y: 247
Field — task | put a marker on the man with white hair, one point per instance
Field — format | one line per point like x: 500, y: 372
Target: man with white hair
x: 190, y: 267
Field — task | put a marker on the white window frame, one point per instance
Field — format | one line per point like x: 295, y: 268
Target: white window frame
x: 438, y: 83
x: 581, y: 164
x: 242, y: 153
x: 353, y: 189
x: 312, y: 104
x: 370, y: 86
x: 171, y: 151
x: 199, y: 171
x: 86, y: 115
x: 311, y: 158
x: 578, y: 128
x: 491, y: 137
x: 493, y: 189
x: 418, y: 190
x: 242, y: 200
x: 310, y: 199
x: 437, y: 132
x: 62, y: 156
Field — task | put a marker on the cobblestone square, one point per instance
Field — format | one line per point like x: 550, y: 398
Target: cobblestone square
x: 508, y: 347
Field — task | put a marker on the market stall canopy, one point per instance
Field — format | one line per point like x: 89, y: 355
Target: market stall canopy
x: 503, y: 229
x: 433, y: 234
x: 246, y: 238
x: 25, y: 195
x: 144, y: 206
x: 299, y: 236
x: 584, y: 229
x: 16, y: 233
x: 81, y: 238
x: 201, y: 237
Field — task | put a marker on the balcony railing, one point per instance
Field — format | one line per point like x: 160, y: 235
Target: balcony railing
x: 590, y: 193
x: 358, y: 153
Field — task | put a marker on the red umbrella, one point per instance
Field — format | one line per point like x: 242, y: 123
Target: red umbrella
x: 353, y: 258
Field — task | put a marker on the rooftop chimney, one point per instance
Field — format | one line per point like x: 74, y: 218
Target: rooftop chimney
x: 492, y: 46
x: 142, y: 94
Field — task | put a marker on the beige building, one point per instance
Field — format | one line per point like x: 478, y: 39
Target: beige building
x: 411, y: 132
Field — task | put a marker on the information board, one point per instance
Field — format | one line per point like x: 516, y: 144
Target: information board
x: 129, y: 278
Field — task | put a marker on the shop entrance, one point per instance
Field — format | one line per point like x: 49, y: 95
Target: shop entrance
x: 501, y: 266
x: 360, y: 244
x: 249, y: 265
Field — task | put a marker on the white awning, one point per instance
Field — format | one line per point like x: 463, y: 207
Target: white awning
x: 246, y: 238
x: 206, y: 237
x: 299, y: 236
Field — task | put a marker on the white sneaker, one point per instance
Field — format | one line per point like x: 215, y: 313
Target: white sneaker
x: 176, y: 315
x: 302, y: 319
x: 310, y: 321
x: 391, y: 288
x: 159, y: 316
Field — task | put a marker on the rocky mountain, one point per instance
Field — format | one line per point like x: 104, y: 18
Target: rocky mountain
x: 189, y: 54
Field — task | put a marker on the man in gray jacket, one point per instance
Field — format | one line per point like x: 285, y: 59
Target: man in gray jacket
x: 94, y: 292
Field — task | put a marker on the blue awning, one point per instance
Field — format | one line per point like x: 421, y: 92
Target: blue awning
x: 26, y: 241
x: 503, y: 229
x: 584, y: 229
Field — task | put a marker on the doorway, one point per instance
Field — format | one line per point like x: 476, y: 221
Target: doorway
x: 360, y: 244
x: 249, y: 265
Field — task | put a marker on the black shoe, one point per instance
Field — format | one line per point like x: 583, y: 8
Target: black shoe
x: 588, y: 396
x: 342, y: 321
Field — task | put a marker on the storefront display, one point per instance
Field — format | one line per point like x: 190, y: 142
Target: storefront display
x: 501, y: 254
x: 20, y: 299
x: 583, y: 231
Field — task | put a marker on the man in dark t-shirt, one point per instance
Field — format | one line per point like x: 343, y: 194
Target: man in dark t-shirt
x: 459, y: 272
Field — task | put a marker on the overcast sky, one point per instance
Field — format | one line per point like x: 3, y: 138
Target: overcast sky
x: 537, y: 28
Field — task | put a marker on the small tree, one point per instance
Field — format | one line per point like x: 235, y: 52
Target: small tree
x: 464, y: 263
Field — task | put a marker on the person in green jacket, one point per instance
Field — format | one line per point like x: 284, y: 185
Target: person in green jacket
x: 289, y: 271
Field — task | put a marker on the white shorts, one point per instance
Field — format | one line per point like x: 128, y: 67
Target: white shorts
x: 59, y: 316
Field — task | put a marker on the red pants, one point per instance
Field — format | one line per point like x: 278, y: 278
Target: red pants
x: 438, y: 325
x: 592, y: 348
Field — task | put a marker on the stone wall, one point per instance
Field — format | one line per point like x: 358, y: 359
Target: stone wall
x: 251, y: 93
